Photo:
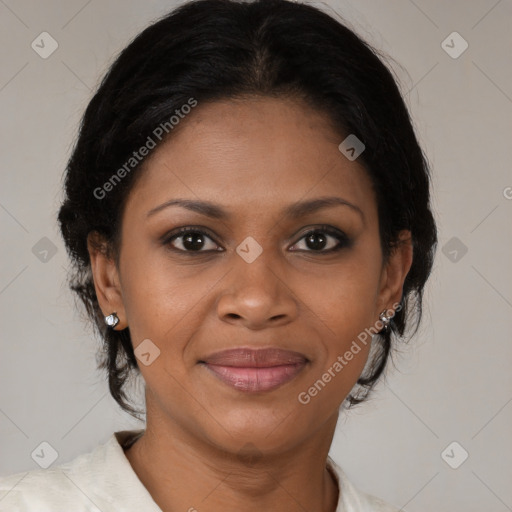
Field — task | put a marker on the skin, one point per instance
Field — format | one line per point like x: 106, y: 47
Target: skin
x: 253, y: 157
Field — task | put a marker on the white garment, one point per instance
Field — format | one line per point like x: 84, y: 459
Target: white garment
x: 104, y: 481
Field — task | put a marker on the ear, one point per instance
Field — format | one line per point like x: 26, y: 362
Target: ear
x: 106, y: 279
x: 394, y: 273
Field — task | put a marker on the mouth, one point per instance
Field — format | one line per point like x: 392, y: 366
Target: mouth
x: 255, y: 379
x: 251, y: 370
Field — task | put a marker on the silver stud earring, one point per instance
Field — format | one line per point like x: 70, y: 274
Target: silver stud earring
x: 112, y: 320
x: 385, y: 319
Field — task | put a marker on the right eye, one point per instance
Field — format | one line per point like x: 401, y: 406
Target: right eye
x: 188, y: 239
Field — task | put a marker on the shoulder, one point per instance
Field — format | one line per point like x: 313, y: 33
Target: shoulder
x: 38, y: 490
x: 353, y: 499
x: 77, y: 485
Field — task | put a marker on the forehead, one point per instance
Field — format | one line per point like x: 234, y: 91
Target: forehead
x: 261, y: 152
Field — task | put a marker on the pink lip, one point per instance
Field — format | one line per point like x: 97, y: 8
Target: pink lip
x: 255, y: 379
x: 247, y: 369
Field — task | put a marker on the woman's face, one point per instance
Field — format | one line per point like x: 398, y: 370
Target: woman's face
x: 253, y: 172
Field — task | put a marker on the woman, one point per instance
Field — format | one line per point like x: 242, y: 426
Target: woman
x: 247, y: 210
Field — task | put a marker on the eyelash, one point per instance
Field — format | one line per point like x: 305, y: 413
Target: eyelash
x: 342, y: 238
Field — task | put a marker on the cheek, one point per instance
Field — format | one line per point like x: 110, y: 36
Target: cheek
x: 154, y: 296
x: 343, y: 308
x: 343, y: 315
x: 167, y: 304
x: 344, y: 299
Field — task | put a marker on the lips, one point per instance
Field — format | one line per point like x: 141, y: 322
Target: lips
x: 255, y: 370
x: 260, y: 358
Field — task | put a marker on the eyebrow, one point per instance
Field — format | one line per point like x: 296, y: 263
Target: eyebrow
x: 298, y: 209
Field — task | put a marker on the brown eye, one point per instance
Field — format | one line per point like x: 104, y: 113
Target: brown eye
x: 324, y: 240
x: 191, y: 240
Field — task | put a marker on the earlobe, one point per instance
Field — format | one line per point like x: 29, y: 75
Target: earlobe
x: 106, y: 279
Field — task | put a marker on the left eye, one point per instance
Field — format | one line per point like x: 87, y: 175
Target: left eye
x: 324, y: 240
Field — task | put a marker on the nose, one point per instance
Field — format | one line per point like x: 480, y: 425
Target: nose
x: 256, y: 295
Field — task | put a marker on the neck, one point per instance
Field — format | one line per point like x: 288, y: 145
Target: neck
x: 182, y: 472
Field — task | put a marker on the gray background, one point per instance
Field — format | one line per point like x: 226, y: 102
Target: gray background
x: 452, y: 381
